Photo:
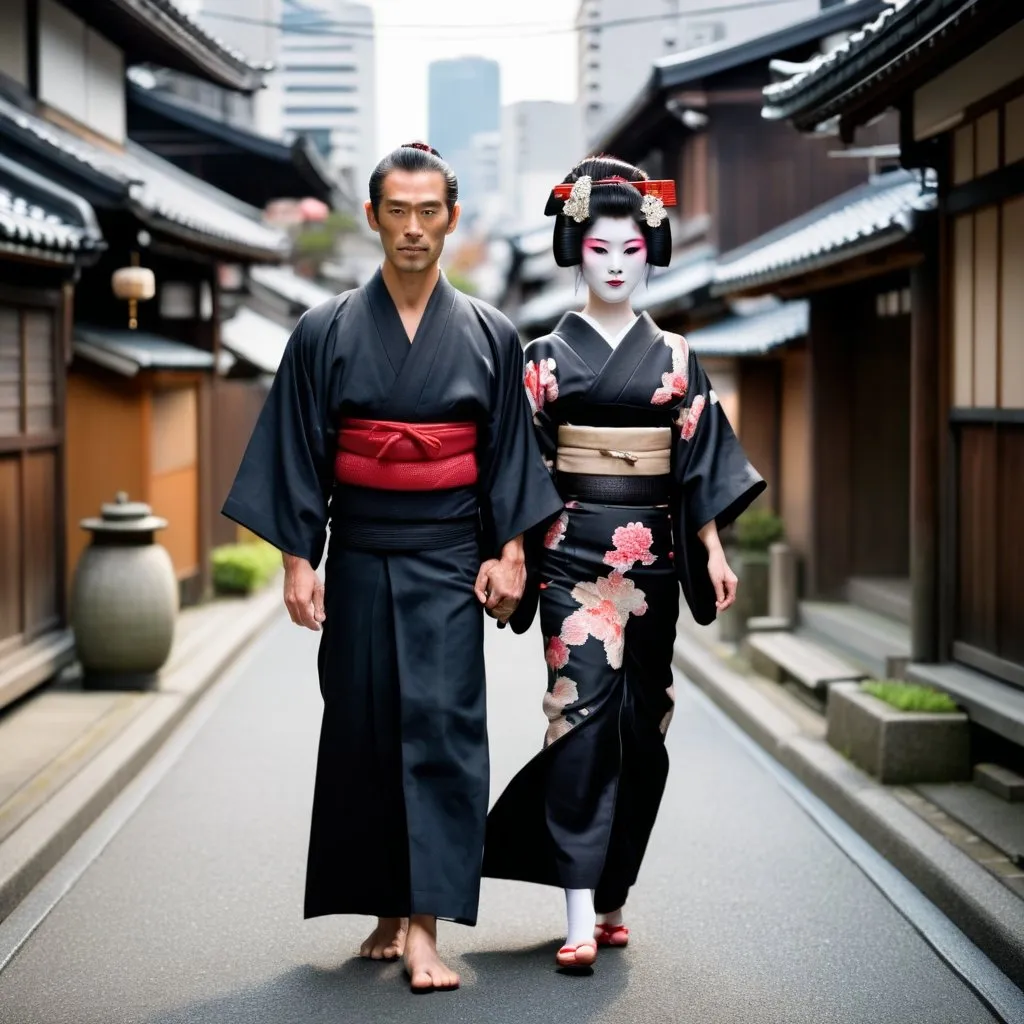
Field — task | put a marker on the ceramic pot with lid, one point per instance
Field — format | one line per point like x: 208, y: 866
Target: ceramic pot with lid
x: 124, y: 602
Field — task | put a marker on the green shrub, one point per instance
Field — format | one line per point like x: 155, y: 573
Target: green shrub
x: 909, y: 696
x: 757, y: 529
x: 243, y: 568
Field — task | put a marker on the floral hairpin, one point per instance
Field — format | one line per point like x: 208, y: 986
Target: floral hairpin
x: 653, y: 209
x: 577, y: 205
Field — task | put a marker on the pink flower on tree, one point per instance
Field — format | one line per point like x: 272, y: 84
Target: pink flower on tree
x: 632, y: 544
x: 606, y: 605
x: 557, y: 653
x: 689, y: 418
x: 541, y: 384
x: 556, y: 532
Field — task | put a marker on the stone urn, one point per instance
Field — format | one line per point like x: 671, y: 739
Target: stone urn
x: 124, y: 603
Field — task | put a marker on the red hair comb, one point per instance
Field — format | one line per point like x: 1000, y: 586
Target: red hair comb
x: 665, y: 190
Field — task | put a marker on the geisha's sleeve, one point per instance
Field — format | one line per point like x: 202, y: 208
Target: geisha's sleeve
x: 280, y: 491
x: 517, y: 491
x: 713, y: 480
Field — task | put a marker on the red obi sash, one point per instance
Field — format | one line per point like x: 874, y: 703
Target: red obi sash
x: 406, y: 456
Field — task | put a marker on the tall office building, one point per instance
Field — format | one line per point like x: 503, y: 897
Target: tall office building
x: 540, y: 142
x: 618, y: 41
x: 327, y: 63
x: 464, y: 100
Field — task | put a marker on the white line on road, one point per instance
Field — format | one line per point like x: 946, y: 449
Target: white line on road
x: 998, y: 993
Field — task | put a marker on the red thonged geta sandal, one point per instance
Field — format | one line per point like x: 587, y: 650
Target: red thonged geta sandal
x: 583, y: 955
x: 612, y: 935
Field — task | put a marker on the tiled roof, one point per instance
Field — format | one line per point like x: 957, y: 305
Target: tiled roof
x: 862, y: 220
x: 285, y: 283
x: 754, y: 334
x: 162, y: 196
x: 160, y: 32
x: 883, y: 48
x: 672, y: 288
x: 42, y: 220
x: 128, y: 352
x: 254, y: 338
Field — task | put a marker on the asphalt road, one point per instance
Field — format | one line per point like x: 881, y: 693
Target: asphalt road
x: 746, y: 911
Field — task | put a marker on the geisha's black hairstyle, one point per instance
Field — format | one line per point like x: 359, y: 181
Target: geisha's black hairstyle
x: 616, y: 199
x: 413, y: 156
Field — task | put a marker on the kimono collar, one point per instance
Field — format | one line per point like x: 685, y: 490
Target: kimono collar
x: 613, y: 340
x: 595, y: 349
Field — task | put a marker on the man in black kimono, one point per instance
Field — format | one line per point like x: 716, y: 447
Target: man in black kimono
x: 398, y: 415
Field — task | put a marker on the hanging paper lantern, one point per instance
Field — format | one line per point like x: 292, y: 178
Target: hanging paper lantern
x: 134, y: 284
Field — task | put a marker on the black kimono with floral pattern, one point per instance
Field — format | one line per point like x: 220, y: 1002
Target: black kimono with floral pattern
x: 606, y: 579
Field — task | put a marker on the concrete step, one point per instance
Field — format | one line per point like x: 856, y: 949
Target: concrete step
x: 885, y: 596
x: 879, y: 645
x: 783, y: 656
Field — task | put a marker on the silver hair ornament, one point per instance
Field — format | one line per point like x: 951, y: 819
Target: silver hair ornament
x: 577, y: 205
x: 653, y: 210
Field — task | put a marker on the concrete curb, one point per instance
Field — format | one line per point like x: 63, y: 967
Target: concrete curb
x: 40, y: 841
x: 985, y: 910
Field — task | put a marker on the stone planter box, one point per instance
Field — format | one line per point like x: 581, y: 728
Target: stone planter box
x: 897, y: 747
x: 751, y: 567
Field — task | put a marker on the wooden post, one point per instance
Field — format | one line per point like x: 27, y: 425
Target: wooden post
x: 925, y: 360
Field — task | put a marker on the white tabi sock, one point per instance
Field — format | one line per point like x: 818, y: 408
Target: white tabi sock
x: 579, y: 909
x: 613, y: 920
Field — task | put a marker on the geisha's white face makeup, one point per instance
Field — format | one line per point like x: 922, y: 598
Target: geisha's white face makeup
x: 614, y: 258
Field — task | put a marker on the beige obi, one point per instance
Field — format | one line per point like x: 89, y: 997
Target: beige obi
x: 614, y: 451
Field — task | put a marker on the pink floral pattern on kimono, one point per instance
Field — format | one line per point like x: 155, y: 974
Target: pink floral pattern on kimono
x: 632, y: 544
x: 689, y: 418
x: 557, y: 653
x: 675, y: 383
x: 556, y: 532
x: 606, y: 605
x: 561, y: 695
x: 541, y: 383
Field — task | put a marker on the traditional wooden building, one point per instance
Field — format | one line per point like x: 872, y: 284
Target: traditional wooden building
x: 47, y: 235
x: 139, y: 400
x: 952, y: 70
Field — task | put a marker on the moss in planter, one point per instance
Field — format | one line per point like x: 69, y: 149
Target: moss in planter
x: 757, y: 529
x: 244, y: 568
x: 909, y: 696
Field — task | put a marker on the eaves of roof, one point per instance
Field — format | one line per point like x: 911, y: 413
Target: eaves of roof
x: 160, y: 32
x: 863, y: 220
x: 753, y: 334
x: 162, y: 196
x: 882, y: 60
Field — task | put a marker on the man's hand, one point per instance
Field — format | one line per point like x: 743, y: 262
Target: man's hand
x: 501, y: 581
x: 303, y: 593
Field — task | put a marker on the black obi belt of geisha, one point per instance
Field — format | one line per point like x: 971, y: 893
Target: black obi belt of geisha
x: 615, y: 465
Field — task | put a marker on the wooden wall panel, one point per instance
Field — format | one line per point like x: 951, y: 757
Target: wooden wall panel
x: 986, y: 307
x: 963, y: 311
x: 107, y: 452
x: 760, y: 398
x: 795, y: 452
x: 880, y: 522
x: 1011, y: 321
x: 42, y: 599
x: 41, y: 375
x: 175, y: 496
x: 10, y: 548
x: 10, y: 372
x: 1010, y: 560
x: 978, y: 545
x: 175, y: 430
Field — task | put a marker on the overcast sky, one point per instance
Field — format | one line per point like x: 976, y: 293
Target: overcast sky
x: 537, y: 60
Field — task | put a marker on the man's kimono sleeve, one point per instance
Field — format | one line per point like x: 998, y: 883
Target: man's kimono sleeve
x: 517, y: 491
x: 281, y: 489
x: 713, y: 481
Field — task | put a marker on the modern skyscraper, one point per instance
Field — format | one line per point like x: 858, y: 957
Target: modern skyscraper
x: 464, y: 100
x: 327, y: 68
x: 618, y: 41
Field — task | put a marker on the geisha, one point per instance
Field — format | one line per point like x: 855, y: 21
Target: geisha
x: 649, y: 471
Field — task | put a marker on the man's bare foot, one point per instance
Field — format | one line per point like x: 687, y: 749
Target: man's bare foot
x: 426, y: 971
x: 387, y: 940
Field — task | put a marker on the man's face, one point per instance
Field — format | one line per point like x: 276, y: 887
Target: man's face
x: 413, y: 219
